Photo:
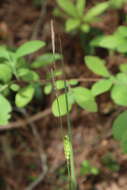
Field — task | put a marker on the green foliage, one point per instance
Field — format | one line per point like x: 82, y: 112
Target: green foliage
x: 78, y: 95
x: 84, y: 98
x: 119, y: 90
x: 76, y: 16
x: 29, y: 47
x: 5, y: 110
x: 116, y: 41
x: 17, y: 75
x: 45, y: 60
x: 24, y: 96
x: 120, y: 130
x: 101, y: 86
x: 88, y: 169
x: 60, y: 107
x: 96, y: 65
x: 117, y: 3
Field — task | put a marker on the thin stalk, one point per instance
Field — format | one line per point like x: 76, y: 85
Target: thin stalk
x: 69, y: 125
x: 70, y: 164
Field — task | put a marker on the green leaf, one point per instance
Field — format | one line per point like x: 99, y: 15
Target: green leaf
x: 83, y: 97
x: 28, y: 75
x: 119, y: 127
x: 122, y: 31
x: 119, y: 94
x: 24, y: 96
x: 29, y: 47
x: 119, y: 90
x: 5, y: 110
x: 72, y: 24
x: 48, y: 88
x: 124, y: 142
x: 96, y: 65
x: 60, y: 106
x: 85, y: 168
x: 72, y: 82
x: 121, y: 78
x: 123, y: 68
x: 68, y: 7
x: 80, y: 6
x: 5, y: 73
x: 110, y: 41
x: 4, y: 53
x: 45, y: 60
x: 96, y: 11
x: 101, y: 87
x: 60, y: 84
x: 85, y: 28
x: 122, y: 47
x: 117, y: 4
x: 15, y: 87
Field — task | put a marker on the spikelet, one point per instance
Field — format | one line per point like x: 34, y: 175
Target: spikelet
x: 67, y: 147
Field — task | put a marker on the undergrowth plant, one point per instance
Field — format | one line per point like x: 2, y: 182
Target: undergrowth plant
x: 116, y: 42
x: 85, y: 98
x: 76, y: 18
x: 19, y: 80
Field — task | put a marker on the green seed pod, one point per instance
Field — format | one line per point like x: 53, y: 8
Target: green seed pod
x: 67, y: 147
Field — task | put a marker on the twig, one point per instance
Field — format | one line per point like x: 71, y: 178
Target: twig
x: 35, y: 183
x: 22, y: 123
x: 39, y: 21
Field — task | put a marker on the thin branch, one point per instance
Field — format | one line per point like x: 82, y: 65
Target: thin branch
x: 23, y: 122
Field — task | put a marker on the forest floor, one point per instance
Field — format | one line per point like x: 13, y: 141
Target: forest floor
x: 27, y: 155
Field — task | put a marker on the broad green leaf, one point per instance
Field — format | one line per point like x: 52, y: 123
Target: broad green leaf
x: 45, y: 60
x: 5, y: 73
x: 96, y: 41
x: 122, y: 31
x: 24, y: 96
x: 110, y: 41
x: 96, y: 11
x: 119, y: 90
x: 48, y: 88
x: 119, y: 127
x: 121, y: 78
x: 5, y: 109
x: 96, y: 65
x: 28, y: 75
x: 119, y: 94
x: 72, y: 24
x: 123, y: 68
x: 62, y: 105
x: 29, y: 47
x: 83, y: 97
x: 101, y: 87
x: 68, y: 7
x: 80, y: 6
x: 122, y: 47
